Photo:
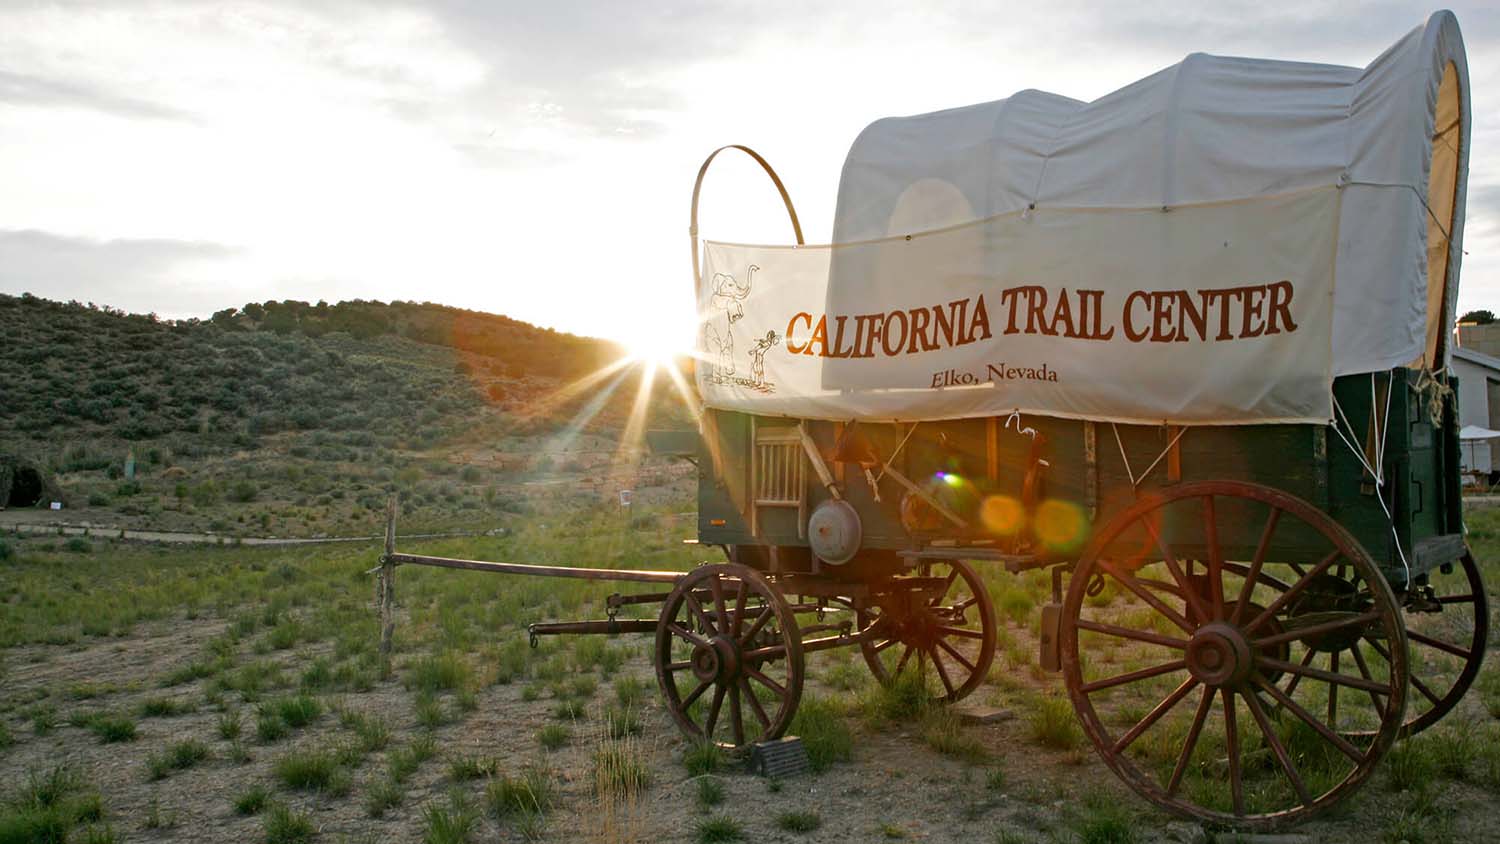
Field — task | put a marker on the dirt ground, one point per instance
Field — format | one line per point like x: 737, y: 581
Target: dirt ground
x: 894, y: 787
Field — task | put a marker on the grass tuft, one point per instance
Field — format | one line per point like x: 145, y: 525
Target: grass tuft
x: 1053, y: 724
x: 177, y: 757
x: 112, y: 728
x: 620, y: 769
x: 553, y: 736
x: 252, y: 800
x: 529, y: 793
x: 451, y: 824
x: 285, y: 826
x: 404, y: 761
x: 719, y: 828
x: 710, y: 791
x: 382, y: 796
x: 798, y: 821
x: 703, y: 757
x: 465, y: 768
x: 823, y: 731
x: 944, y: 732
x: 162, y: 707
x: 312, y: 770
x: 439, y: 673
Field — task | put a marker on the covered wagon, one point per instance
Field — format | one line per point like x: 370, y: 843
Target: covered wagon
x: 1181, y: 351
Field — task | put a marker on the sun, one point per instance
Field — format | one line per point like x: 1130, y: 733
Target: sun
x: 655, y: 347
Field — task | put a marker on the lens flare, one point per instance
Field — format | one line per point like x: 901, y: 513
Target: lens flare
x: 1060, y: 525
x: 1002, y: 515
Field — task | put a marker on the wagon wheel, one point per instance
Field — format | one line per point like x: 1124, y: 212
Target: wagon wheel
x: 1235, y: 643
x: 728, y: 637
x: 1447, y: 628
x: 943, y: 615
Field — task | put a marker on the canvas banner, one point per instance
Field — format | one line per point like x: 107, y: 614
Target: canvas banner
x: 1206, y: 314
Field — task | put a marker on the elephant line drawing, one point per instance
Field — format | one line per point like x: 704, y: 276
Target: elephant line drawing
x: 727, y: 299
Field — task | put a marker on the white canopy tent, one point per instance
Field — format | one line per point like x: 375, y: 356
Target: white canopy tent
x: 1471, y: 436
x: 1346, y: 184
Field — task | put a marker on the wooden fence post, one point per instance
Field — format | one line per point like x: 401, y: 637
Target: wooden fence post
x: 387, y: 586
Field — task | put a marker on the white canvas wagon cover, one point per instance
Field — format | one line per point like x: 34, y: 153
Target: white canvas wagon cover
x: 1211, y: 244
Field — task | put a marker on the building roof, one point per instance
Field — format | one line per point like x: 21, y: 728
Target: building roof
x: 1477, y: 358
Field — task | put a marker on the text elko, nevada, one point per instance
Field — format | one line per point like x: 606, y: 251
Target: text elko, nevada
x: 1146, y: 316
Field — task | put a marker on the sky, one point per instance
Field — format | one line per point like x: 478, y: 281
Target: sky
x: 536, y: 158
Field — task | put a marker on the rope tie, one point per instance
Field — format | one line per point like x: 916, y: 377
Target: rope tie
x: 1376, y: 473
x: 1135, y: 482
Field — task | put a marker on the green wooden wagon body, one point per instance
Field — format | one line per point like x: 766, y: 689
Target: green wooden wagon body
x: 746, y: 471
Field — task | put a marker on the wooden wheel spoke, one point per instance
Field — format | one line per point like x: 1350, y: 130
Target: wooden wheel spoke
x: 1333, y: 691
x: 760, y: 655
x: 697, y: 607
x: 760, y: 621
x: 1295, y: 590
x: 737, y: 620
x: 687, y: 635
x: 1269, y: 731
x: 713, y: 712
x: 1204, y: 705
x: 1307, y: 718
x: 1247, y: 589
x: 1379, y: 648
x: 1307, y: 659
x: 1133, y: 676
x: 736, y: 717
x: 1188, y: 592
x: 1232, y: 745
x: 1319, y: 674
x: 1317, y: 629
x: 1155, y: 715
x: 948, y: 630
x: 1430, y: 642
x: 942, y: 672
x: 1364, y: 671
x: 947, y: 584
x: 905, y: 655
x: 761, y: 678
x: 695, y: 694
x: 1129, y: 582
x: 1215, y: 560
x: 716, y: 586
x: 755, y: 705
x: 1422, y: 687
x: 954, y: 652
x: 883, y: 645
x: 1127, y: 633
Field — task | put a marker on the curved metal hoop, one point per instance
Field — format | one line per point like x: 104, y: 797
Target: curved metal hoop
x: 786, y: 199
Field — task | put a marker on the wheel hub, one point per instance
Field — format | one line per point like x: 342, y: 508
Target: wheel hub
x: 1219, y: 655
x: 717, y: 660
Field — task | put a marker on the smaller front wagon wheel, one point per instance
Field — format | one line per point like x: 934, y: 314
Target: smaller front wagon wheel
x: 729, y: 656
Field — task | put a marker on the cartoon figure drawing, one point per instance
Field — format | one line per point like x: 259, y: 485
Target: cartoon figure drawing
x: 758, y: 361
x: 727, y: 296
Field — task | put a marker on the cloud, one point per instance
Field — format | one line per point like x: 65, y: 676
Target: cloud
x: 130, y: 273
x: 23, y: 89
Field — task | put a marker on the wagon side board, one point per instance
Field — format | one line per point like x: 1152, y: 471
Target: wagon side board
x: 1095, y: 469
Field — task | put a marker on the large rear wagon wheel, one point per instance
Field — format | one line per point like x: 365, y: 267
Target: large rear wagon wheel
x: 729, y: 656
x: 1195, y: 703
x: 1447, y: 629
x: 942, y: 615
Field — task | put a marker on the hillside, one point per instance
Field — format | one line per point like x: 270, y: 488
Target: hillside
x: 296, y: 419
